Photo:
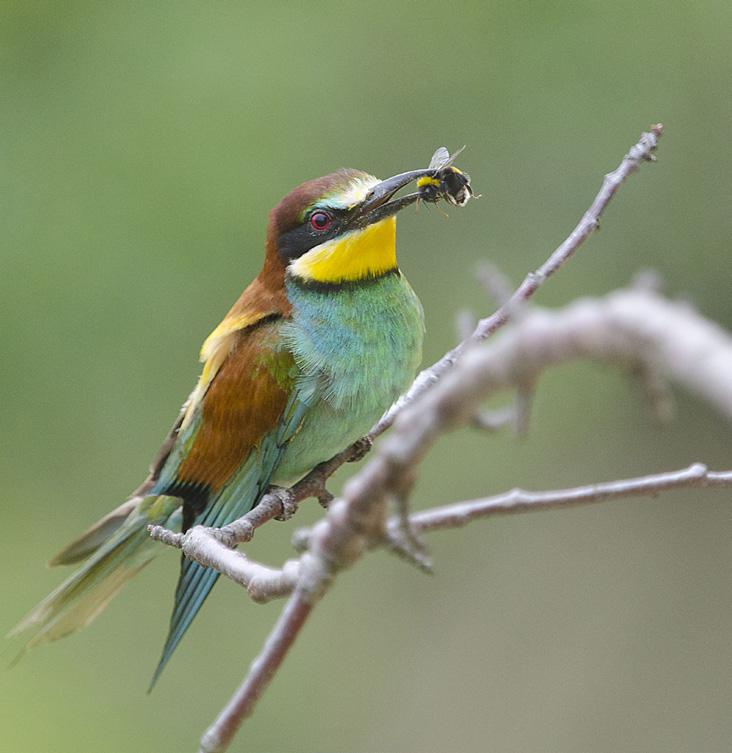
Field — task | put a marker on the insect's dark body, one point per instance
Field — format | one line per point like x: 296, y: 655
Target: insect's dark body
x: 443, y: 181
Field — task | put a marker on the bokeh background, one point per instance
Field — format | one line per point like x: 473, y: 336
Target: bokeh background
x: 143, y: 145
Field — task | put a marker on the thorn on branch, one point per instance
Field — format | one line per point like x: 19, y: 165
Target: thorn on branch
x: 300, y: 539
x: 494, y: 282
x: 657, y: 391
x: 325, y: 498
x: 465, y: 322
x: 416, y: 555
x: 522, y: 411
x: 166, y: 536
x: 494, y: 420
x: 649, y: 280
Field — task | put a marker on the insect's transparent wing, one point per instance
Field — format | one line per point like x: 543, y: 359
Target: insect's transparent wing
x: 440, y: 159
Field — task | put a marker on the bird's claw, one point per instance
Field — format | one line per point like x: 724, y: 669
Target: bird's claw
x: 401, y: 538
x: 361, y: 448
x: 325, y: 498
x: 289, y: 505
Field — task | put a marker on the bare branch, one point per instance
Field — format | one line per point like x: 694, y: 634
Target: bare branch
x: 609, y: 329
x: 457, y: 514
x: 264, y: 583
x: 442, y: 398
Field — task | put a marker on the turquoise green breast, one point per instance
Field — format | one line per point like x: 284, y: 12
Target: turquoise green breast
x: 357, y: 348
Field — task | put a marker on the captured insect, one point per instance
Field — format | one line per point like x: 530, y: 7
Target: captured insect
x: 444, y: 181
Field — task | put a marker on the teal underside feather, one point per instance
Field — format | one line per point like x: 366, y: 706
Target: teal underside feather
x: 357, y: 349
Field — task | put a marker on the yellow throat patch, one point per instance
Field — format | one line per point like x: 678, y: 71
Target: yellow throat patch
x: 358, y: 255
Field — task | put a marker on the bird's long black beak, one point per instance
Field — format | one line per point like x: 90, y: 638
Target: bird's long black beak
x: 378, y: 203
x: 382, y: 192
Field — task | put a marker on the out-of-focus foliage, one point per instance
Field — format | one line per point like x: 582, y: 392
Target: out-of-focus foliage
x: 144, y: 143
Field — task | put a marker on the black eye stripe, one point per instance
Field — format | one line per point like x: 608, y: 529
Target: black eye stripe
x: 300, y: 239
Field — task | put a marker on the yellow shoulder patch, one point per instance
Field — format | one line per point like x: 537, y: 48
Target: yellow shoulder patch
x: 214, y: 351
x: 227, y: 327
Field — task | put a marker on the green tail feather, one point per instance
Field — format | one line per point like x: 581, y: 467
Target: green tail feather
x: 89, y: 541
x: 195, y: 584
x: 195, y: 581
x: 110, y: 564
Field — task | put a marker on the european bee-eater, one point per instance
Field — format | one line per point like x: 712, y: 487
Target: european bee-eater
x: 325, y: 338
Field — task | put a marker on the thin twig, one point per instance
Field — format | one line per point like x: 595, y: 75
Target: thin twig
x: 457, y: 514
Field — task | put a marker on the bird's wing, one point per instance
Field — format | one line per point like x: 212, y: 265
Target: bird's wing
x: 228, y: 452
x: 260, y: 303
x: 257, y: 303
x: 260, y: 300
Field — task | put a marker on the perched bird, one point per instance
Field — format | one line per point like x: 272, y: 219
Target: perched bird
x: 316, y: 348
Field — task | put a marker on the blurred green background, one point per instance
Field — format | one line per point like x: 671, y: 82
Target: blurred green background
x: 143, y: 145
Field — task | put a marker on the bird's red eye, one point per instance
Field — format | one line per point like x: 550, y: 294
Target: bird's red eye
x: 320, y: 221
